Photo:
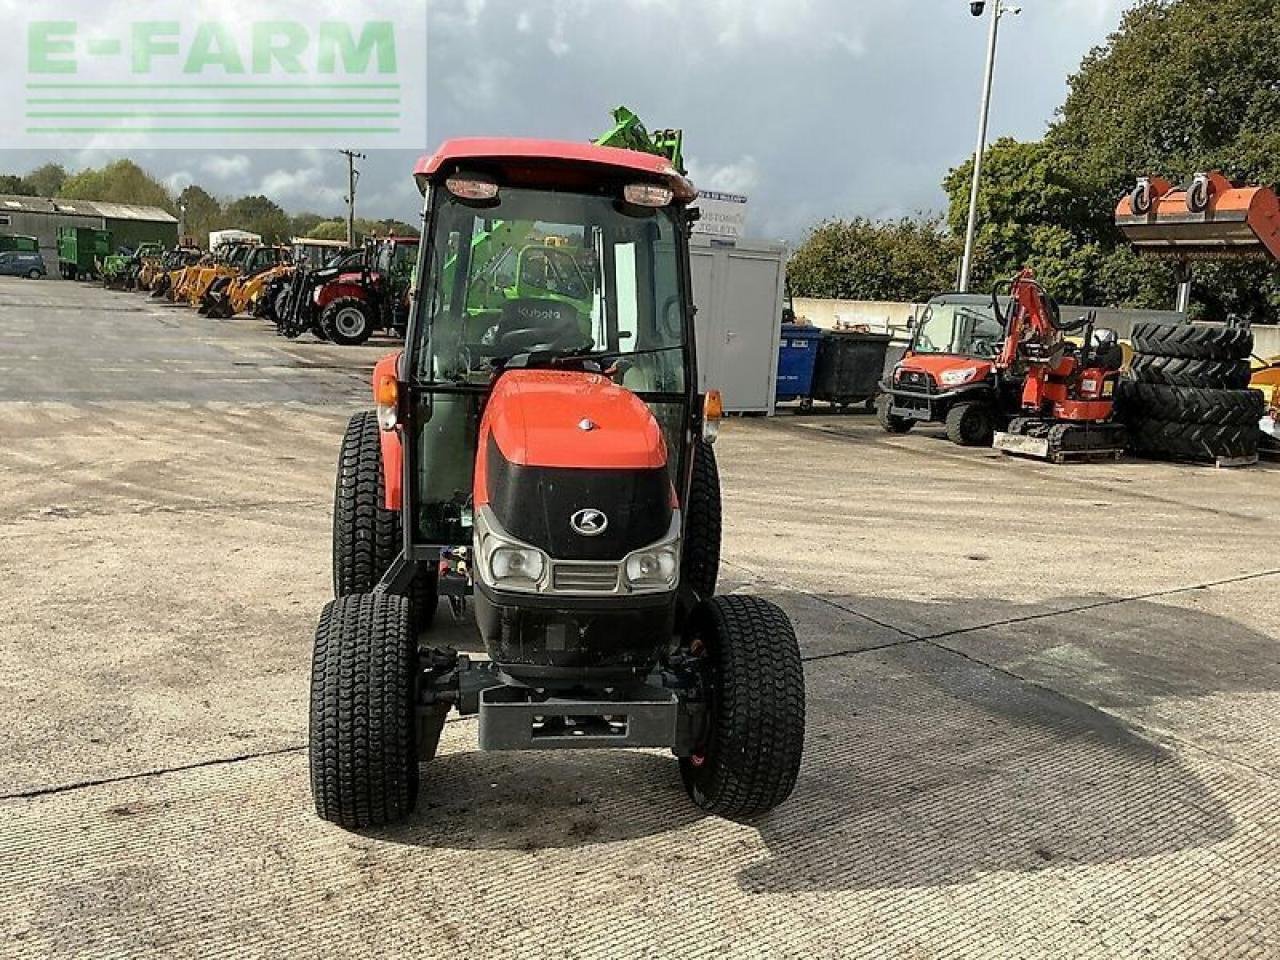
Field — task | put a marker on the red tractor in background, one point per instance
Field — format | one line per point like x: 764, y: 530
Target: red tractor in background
x: 1003, y: 370
x: 353, y: 298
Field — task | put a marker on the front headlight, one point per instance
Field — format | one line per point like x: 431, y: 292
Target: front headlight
x: 516, y: 563
x: 653, y: 569
x: 956, y: 378
x: 503, y: 562
x: 657, y: 567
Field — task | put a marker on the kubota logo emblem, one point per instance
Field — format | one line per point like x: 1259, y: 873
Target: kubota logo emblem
x: 589, y: 523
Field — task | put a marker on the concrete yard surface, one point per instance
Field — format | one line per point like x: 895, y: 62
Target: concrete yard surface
x: 1043, y: 701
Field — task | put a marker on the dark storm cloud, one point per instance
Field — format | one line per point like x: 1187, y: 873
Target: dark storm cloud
x: 813, y: 107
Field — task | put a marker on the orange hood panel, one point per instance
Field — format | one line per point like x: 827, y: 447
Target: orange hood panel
x: 573, y: 420
x: 936, y: 364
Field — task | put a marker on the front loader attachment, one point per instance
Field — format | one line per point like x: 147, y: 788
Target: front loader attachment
x: 1209, y: 219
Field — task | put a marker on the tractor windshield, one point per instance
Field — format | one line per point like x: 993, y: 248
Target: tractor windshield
x: 541, y: 277
x: 959, y: 329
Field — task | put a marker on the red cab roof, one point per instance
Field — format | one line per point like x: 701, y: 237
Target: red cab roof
x: 519, y: 152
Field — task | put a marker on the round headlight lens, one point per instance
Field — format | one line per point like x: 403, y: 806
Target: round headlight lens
x: 513, y: 563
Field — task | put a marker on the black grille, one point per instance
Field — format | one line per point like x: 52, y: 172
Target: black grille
x: 916, y: 380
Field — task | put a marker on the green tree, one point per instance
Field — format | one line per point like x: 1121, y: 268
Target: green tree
x: 1182, y: 86
x: 47, y: 180
x: 329, y: 230
x: 14, y: 185
x: 260, y: 215
x: 303, y: 223
x: 120, y: 182
x: 202, y: 214
x: 859, y: 259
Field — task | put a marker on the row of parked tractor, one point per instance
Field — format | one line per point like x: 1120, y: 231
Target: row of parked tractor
x: 332, y: 290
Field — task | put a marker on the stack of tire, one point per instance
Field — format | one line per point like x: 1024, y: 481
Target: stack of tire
x: 1187, y: 396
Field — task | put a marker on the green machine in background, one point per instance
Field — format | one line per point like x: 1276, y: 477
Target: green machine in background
x: 81, y: 251
x: 18, y: 243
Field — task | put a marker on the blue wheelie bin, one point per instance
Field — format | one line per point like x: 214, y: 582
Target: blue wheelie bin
x: 797, y: 357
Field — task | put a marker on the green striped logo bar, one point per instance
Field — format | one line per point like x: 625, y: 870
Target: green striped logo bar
x: 228, y: 74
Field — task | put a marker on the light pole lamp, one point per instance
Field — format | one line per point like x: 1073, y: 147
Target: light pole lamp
x: 998, y: 9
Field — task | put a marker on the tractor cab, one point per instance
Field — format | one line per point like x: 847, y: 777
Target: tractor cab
x: 541, y: 446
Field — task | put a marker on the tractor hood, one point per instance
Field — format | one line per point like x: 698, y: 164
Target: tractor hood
x: 554, y: 444
x: 947, y: 369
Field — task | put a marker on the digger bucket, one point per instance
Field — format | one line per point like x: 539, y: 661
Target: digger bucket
x: 1210, y: 219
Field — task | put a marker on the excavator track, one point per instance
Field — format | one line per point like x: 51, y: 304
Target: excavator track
x: 1059, y: 442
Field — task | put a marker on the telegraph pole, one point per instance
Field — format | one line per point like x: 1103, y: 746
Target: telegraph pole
x: 353, y: 177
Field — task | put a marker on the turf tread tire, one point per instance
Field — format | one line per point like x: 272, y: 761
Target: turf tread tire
x: 756, y: 740
x: 1195, y: 341
x: 1152, y: 401
x: 366, y: 537
x: 1185, y: 372
x: 1193, y: 441
x: 700, y: 562
x: 363, y: 729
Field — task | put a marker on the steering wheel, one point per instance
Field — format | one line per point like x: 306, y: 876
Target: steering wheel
x: 537, y: 339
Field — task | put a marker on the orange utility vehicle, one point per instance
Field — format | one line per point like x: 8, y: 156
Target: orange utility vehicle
x: 555, y: 458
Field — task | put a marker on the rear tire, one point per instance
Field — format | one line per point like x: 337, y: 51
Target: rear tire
x: 33, y: 275
x: 363, y: 723
x: 890, y: 423
x: 971, y: 425
x: 755, y: 743
x: 1196, y: 341
x: 701, y: 560
x: 1193, y: 441
x: 346, y: 322
x: 367, y: 538
x: 1186, y: 372
x: 1153, y: 401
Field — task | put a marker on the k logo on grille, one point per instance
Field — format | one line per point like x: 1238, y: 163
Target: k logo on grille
x: 589, y: 523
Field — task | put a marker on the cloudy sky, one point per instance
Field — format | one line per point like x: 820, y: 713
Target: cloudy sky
x: 814, y: 108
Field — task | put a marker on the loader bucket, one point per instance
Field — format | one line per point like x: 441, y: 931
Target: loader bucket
x: 1210, y: 219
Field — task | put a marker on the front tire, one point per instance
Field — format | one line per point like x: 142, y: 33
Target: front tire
x: 750, y: 759
x: 971, y: 425
x: 888, y: 422
x: 363, y: 723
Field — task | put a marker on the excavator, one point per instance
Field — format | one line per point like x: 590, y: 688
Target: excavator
x: 1209, y: 218
x: 1067, y: 400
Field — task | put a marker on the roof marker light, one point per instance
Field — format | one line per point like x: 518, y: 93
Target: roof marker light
x: 648, y: 195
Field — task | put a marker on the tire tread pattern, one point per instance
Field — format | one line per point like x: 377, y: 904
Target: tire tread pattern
x: 366, y: 537
x: 363, y: 758
x: 1185, y: 372
x: 757, y: 739
x: 701, y: 559
x: 1188, y: 404
x: 1193, y: 441
x: 1194, y: 341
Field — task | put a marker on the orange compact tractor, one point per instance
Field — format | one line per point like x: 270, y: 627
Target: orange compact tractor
x: 550, y: 456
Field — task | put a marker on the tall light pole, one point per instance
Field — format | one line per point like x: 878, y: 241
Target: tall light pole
x: 998, y: 10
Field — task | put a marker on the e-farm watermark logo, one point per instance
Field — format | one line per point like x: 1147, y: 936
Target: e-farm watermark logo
x: 228, y: 74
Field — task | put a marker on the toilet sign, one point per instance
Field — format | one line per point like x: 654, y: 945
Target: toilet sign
x: 724, y: 215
